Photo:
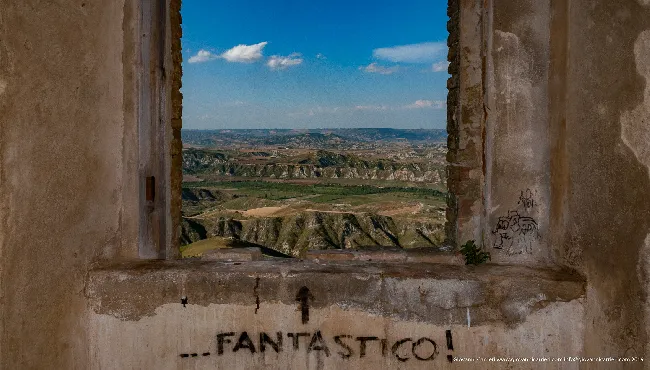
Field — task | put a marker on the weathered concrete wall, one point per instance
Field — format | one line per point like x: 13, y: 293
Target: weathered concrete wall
x: 67, y: 165
x: 138, y: 320
x: 176, y: 331
x: 567, y: 118
x: 556, y: 93
x: 466, y: 122
x: 608, y: 197
x: 517, y: 151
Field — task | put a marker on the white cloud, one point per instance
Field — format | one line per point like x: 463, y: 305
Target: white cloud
x: 233, y: 103
x: 426, y: 52
x: 202, y: 56
x: 371, y: 107
x: 320, y: 56
x: 419, y: 104
x: 317, y: 110
x: 436, y: 104
x: 376, y: 68
x: 244, y: 53
x: 440, y: 66
x: 277, y: 62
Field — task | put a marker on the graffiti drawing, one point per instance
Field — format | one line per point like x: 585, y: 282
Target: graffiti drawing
x: 515, y: 232
x: 526, y: 199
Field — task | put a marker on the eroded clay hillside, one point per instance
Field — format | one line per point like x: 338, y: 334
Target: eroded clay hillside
x: 321, y: 164
x: 294, y: 192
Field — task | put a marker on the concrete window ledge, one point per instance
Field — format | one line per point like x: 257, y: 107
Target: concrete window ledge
x: 429, y: 292
x: 420, y: 255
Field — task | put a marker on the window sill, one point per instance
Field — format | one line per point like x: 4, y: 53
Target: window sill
x: 414, y: 255
x: 435, y: 293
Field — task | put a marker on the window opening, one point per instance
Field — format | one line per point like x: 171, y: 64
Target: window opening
x: 314, y: 126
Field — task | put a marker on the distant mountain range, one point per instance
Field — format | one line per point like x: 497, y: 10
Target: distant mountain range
x: 312, y: 137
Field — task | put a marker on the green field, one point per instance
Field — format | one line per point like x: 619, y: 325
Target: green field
x: 305, y: 195
x: 325, y: 192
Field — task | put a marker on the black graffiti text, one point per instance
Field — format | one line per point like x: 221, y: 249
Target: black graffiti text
x: 342, y: 345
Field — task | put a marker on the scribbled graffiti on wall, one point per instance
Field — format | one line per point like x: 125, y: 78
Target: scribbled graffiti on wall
x: 526, y: 199
x: 517, y: 231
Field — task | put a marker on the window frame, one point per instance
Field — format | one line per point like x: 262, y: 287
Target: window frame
x: 160, y: 122
x: 159, y: 125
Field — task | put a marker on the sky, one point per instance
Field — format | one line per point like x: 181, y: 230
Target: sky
x: 314, y: 63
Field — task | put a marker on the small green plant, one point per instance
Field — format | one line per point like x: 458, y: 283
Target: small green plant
x: 473, y: 254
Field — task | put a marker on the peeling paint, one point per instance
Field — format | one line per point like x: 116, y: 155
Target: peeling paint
x: 635, y: 124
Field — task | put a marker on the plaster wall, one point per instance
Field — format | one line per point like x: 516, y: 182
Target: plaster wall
x: 175, y: 331
x: 139, y: 320
x: 567, y: 118
x: 68, y: 199
x: 517, y: 114
x: 67, y: 170
x: 607, y: 201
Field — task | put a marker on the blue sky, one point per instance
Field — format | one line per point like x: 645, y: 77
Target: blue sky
x: 314, y: 64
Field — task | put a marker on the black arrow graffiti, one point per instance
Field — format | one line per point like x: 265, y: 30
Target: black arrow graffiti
x: 303, y: 297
